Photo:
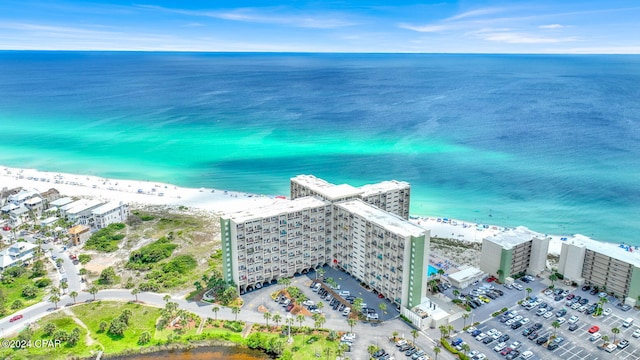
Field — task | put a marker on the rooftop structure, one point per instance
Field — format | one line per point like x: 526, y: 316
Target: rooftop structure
x: 279, y: 207
x: 61, y: 202
x: 310, y: 185
x: 16, y: 254
x: 382, y: 218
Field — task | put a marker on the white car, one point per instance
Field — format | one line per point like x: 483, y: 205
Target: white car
x: 481, y: 356
x: 308, y: 303
x: 548, y: 292
x: 518, y: 318
x: 595, y: 336
x: 481, y: 336
x: 636, y: 334
x: 610, y: 347
x: 574, y: 319
x: 473, y: 353
x: 515, y: 345
x: 583, y: 308
x: 526, y: 355
x: 524, y: 321
x: 470, y: 329
x: 492, y: 331
x: 548, y: 315
x: 348, y: 337
x: 606, y: 312
x: 500, y: 346
x: 496, y: 335
x: 510, y: 322
x: 541, y: 312
x: 561, y: 320
x: 576, y: 306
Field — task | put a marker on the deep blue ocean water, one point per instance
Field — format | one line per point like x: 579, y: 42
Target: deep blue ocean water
x: 550, y: 142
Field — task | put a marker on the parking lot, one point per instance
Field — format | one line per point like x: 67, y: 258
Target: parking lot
x: 576, y: 343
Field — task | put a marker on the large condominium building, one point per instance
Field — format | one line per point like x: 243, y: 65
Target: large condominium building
x: 351, y: 228
x: 613, y: 269
x: 264, y: 244
x: 514, y: 251
x: 382, y: 250
x: 392, y: 196
x: 80, y: 213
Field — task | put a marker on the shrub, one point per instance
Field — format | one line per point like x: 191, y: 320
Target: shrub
x: 235, y: 326
x: 154, y: 252
x: 106, y: 239
x: 180, y: 264
x: 42, y: 283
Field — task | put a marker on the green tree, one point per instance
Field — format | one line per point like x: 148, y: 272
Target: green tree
x: 74, y: 295
x: 528, y: 290
x: 284, y: 282
x: 74, y: 337
x: 135, y: 292
x: 64, y: 286
x: 49, y: 329
x: 357, y: 305
x: 440, y: 273
x: 197, y: 285
x: 103, y: 326
x: 84, y: 259
x: 372, y: 349
x: 555, y: 326
x: 553, y: 277
x: 267, y: 316
x: 383, y: 307
x: 117, y: 327
x: 456, y: 292
x: 235, y: 310
x: 414, y: 335
x: 29, y: 292
x: 301, y: 318
x: 276, y: 319
x: 615, y: 332
x: 320, y: 272
x: 145, y: 337
x: 38, y: 269
x: 320, y: 305
x: 93, y: 290
x: 436, y: 350
x: 466, y: 348
x: 465, y: 316
x: 54, y: 299
x: 605, y: 338
x: 83, y: 271
x: 17, y: 304
x: 215, y: 310
x: 107, y: 276
x: 352, y: 323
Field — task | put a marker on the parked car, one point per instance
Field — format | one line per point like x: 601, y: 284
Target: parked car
x: 623, y: 343
x: 573, y: 327
x: 594, y: 329
x: 16, y: 318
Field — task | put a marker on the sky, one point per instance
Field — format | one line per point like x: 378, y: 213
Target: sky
x: 470, y: 26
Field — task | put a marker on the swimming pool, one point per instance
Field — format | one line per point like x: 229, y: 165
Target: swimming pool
x: 432, y: 271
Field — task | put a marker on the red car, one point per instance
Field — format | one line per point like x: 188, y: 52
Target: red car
x: 491, y: 279
x: 6, y: 228
x: 505, y: 351
x: 16, y: 318
x: 593, y: 329
x: 570, y: 296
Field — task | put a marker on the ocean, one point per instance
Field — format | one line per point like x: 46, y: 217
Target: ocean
x: 551, y: 142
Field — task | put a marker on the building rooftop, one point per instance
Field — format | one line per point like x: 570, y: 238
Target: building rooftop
x: 512, y: 237
x: 78, y: 229
x: 466, y: 273
x: 61, y: 202
x: 33, y: 201
x: 384, y: 186
x: 83, y: 206
x: 625, y: 253
x: 382, y: 218
x: 327, y: 189
x: 107, y: 207
x: 279, y: 207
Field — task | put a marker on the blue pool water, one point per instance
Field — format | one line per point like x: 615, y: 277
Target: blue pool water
x: 432, y: 270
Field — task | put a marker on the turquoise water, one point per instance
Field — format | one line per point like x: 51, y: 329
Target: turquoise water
x: 432, y: 271
x: 550, y: 142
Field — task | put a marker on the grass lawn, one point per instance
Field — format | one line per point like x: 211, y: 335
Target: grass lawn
x: 307, y: 346
x: 13, y: 292
x: 143, y: 319
x: 62, y: 322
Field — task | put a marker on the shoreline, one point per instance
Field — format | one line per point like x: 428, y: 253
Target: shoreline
x: 137, y: 192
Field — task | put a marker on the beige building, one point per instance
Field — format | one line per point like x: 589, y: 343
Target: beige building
x: 381, y: 249
x: 615, y: 270
x: 79, y: 234
x: 392, y: 196
x: 514, y: 251
x: 264, y: 244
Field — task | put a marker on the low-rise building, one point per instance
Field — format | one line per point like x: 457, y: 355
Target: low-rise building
x: 35, y: 205
x: 614, y: 269
x: 17, y: 254
x: 466, y: 276
x: 514, y: 251
x: 79, y: 234
x: 112, y: 212
x: 81, y: 212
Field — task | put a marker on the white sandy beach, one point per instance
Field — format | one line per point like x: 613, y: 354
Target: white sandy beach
x: 215, y: 200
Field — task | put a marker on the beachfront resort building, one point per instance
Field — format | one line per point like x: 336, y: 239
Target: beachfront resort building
x: 392, y: 196
x: 615, y: 270
x: 109, y: 213
x: 264, y: 244
x: 331, y: 224
x: 381, y: 249
x: 514, y: 251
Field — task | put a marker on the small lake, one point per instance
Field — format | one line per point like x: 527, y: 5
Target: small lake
x: 203, y: 353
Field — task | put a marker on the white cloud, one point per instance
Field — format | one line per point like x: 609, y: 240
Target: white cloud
x: 477, y: 13
x: 424, y: 28
x: 551, y: 26
x: 520, y: 38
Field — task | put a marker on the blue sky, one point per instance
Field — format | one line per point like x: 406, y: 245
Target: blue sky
x: 561, y: 26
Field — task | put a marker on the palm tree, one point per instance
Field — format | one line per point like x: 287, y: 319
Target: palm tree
x: 64, y: 286
x: 615, y: 332
x: 500, y: 272
x: 215, y: 310
x: 267, y: 316
x: 320, y: 305
x: 414, y: 335
x: 74, y: 295
x: 276, y: 319
x: 436, y: 350
x: 528, y: 290
x: 357, y: 305
x: 135, y: 293
x: 54, y: 299
x: 301, y: 318
x: 555, y: 326
x: 443, y: 331
x: 285, y: 282
x: 553, y: 277
x: 605, y: 338
x: 465, y: 316
x: 235, y: 310
x: 93, y: 291
x: 466, y: 348
x: 395, y: 335
x: 352, y: 323
x: 450, y: 329
x: 321, y: 272
x: 166, y: 298
x: 433, y: 285
x: 372, y: 349
x: 456, y: 292
x: 440, y: 273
